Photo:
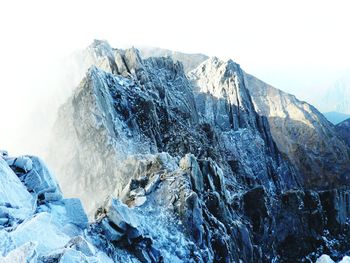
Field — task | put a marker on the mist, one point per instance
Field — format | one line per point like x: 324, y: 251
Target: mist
x: 38, y: 36
x: 30, y: 98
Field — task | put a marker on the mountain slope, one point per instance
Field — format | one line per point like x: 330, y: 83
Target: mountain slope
x: 304, y: 135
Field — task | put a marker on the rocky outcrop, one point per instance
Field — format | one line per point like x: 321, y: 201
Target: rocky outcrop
x: 36, y: 223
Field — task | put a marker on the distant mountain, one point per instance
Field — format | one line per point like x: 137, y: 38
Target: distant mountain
x: 336, y: 117
x: 344, y: 130
x: 337, y: 97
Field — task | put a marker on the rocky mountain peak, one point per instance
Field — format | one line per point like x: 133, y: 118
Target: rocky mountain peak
x: 180, y: 158
x: 224, y: 81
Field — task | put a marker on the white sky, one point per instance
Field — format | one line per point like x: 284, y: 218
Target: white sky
x: 298, y: 46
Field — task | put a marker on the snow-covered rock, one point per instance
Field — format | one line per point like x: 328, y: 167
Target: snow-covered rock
x: 16, y: 203
x: 37, y: 224
x: 41, y: 229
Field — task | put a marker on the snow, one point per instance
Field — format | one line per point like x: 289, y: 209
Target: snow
x: 345, y: 259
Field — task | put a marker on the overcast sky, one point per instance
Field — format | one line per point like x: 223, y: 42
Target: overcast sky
x: 298, y: 46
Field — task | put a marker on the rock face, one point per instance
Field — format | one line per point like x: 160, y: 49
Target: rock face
x: 208, y: 166
x: 303, y: 134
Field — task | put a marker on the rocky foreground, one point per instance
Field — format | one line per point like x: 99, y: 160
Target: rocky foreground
x: 39, y: 225
x: 182, y: 158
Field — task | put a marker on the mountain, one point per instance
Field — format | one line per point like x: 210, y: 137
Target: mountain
x: 124, y: 132
x: 336, y: 117
x: 210, y: 157
x: 337, y: 96
x: 177, y: 158
x: 343, y: 129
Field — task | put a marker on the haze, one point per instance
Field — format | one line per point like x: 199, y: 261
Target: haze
x: 297, y: 46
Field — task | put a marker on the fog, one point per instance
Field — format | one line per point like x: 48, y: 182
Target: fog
x: 304, y: 42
